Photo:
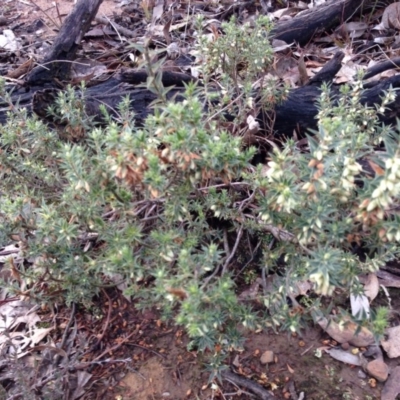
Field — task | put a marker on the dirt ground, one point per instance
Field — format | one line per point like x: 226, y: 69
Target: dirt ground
x: 51, y: 12
x: 159, y: 366
x: 162, y: 368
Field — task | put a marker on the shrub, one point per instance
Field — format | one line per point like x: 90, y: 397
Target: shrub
x: 166, y: 207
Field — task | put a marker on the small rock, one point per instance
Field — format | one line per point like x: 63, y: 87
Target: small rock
x: 267, y: 357
x: 345, y: 345
x: 361, y: 374
x: 378, y: 369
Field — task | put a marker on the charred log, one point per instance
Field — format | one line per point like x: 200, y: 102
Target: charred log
x: 302, y: 28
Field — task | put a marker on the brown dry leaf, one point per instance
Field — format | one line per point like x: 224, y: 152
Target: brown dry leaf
x: 302, y: 71
x: 236, y: 361
x: 280, y: 45
x: 303, y: 287
x: 21, y: 70
x: 15, y: 313
x: 352, y: 29
x: 8, y: 40
x: 83, y: 379
x: 86, y: 68
x: 286, y: 69
x: 376, y: 168
x: 158, y: 11
x: 390, y: 17
x: 347, y: 331
x: 287, y: 12
x: 19, y: 342
x: 290, y: 369
x: 10, y: 251
x: 347, y: 73
x: 38, y: 334
x: 371, y: 286
x: 392, y: 344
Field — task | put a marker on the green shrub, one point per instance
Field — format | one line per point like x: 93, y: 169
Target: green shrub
x: 166, y: 207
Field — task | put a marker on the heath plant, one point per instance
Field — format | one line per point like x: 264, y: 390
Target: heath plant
x: 169, y: 208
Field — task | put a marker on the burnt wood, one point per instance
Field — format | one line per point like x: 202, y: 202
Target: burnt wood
x: 302, y: 28
x: 297, y: 113
x: 57, y: 62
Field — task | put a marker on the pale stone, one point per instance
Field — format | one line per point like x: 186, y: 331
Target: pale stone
x: 267, y: 357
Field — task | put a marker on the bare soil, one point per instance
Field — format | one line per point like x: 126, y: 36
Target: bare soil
x: 162, y: 367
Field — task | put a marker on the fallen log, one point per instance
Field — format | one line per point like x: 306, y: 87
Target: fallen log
x: 317, y: 20
x: 297, y: 113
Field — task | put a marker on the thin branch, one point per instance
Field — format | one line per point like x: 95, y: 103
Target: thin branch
x: 278, y: 233
x: 233, y: 252
x: 65, y: 334
x: 257, y: 389
x: 254, y: 251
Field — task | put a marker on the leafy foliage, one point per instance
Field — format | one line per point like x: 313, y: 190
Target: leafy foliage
x: 166, y: 207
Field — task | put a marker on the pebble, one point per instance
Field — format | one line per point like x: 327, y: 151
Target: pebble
x: 361, y: 374
x: 378, y: 369
x: 267, y: 357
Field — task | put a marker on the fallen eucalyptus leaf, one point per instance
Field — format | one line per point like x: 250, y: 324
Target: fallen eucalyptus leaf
x: 347, y: 331
x: 392, y: 344
x: 345, y: 357
x: 390, y: 17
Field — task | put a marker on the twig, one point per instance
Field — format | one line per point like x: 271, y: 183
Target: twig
x: 129, y: 368
x: 233, y: 252
x: 264, y: 278
x: 289, y: 293
x: 239, y: 390
x: 113, y: 348
x: 45, y: 13
x: 100, y: 338
x: 84, y: 365
x: 226, y: 243
x: 246, y: 201
x: 145, y: 348
x: 263, y: 394
x: 65, y: 334
x: 250, y: 261
x: 306, y: 350
x: 207, y: 280
x: 240, y: 184
x: 117, y: 28
x: 278, y: 233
